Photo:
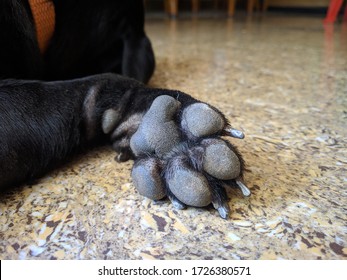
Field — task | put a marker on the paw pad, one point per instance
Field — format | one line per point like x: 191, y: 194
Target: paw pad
x: 157, y: 132
x: 220, y: 161
x: 201, y: 120
x: 189, y: 186
x: 147, y: 179
x: 186, y: 160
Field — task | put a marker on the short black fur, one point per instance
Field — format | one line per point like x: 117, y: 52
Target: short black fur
x: 90, y: 37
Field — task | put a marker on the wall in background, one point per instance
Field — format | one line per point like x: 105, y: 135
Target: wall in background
x: 298, y: 3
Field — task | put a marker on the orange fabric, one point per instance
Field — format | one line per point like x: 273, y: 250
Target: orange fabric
x: 44, y: 17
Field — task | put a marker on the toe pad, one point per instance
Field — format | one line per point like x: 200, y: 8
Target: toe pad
x: 147, y: 180
x: 201, y: 120
x: 220, y: 161
x: 190, y: 187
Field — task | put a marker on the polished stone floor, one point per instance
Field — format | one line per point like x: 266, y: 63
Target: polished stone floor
x: 283, y: 81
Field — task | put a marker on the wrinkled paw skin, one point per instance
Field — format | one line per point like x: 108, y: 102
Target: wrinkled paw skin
x: 179, y: 154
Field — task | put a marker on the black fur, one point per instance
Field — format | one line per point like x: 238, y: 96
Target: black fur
x: 53, y: 106
x: 42, y: 123
x: 90, y: 37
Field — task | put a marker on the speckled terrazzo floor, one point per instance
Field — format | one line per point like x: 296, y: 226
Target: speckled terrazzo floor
x: 282, y: 80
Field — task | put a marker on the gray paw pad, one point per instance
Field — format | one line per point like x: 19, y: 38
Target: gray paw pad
x: 147, y: 179
x: 157, y: 132
x: 220, y: 161
x: 201, y: 120
x: 110, y: 119
x: 190, y: 187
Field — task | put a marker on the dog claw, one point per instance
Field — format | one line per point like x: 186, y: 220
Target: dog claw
x: 122, y: 157
x: 223, y: 210
x: 177, y: 204
x: 244, y: 189
x: 234, y: 133
x: 224, y: 213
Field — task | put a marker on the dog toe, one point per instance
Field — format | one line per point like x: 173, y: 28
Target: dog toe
x: 147, y: 179
x: 201, y: 120
x: 220, y: 161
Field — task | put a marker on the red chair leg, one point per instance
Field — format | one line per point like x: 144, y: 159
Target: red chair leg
x: 333, y: 10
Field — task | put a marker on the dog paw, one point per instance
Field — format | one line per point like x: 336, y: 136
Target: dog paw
x: 180, y: 155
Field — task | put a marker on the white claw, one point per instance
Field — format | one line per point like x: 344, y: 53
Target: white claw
x: 235, y: 133
x: 223, y: 212
x: 177, y: 204
x: 245, y: 191
x: 119, y: 157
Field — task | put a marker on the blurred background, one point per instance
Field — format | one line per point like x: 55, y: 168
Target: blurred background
x: 220, y: 8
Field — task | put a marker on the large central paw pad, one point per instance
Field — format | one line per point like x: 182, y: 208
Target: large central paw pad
x: 180, y: 155
x: 157, y: 132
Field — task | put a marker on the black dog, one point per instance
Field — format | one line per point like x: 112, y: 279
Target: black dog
x: 55, y: 104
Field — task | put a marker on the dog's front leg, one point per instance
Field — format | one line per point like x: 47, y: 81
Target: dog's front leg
x: 43, y: 123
